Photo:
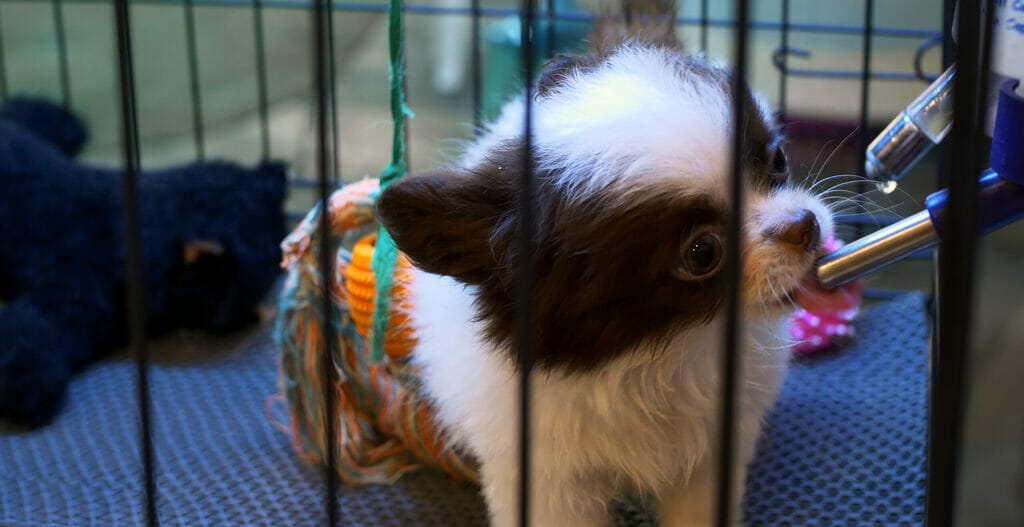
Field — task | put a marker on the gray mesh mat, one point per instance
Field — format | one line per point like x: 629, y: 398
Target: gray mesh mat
x: 845, y: 447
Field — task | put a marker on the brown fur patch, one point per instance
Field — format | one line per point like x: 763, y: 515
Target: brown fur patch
x: 604, y: 275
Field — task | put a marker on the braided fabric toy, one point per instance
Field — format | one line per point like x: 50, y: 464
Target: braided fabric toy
x: 384, y: 427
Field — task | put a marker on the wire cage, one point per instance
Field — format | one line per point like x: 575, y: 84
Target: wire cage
x: 788, y: 49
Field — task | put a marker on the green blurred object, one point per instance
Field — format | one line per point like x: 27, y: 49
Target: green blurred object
x: 503, y: 68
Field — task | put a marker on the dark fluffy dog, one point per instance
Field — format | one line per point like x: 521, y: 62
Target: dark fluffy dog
x: 210, y: 234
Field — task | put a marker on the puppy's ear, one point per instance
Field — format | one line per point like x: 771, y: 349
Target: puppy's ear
x: 447, y: 222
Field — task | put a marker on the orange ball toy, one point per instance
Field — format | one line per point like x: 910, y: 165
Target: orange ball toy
x: 362, y: 294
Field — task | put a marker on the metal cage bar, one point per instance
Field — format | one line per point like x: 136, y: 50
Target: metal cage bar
x: 552, y: 35
x: 951, y: 358
x: 321, y: 84
x: 135, y: 285
x: 733, y: 277
x: 332, y: 98
x: 526, y: 272
x: 260, y: 50
x: 194, y: 89
x: 476, y: 64
x: 863, y: 131
x: 704, y: 20
x: 3, y: 62
x: 784, y: 45
x: 59, y: 30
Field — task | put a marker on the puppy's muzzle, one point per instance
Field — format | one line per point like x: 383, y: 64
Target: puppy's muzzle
x: 802, y: 234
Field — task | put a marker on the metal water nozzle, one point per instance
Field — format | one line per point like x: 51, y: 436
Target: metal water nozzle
x: 919, y: 127
x: 927, y: 120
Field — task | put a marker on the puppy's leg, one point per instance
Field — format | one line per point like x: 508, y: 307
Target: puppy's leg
x: 692, y: 504
x: 558, y: 496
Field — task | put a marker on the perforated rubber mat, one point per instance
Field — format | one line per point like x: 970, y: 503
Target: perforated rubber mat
x: 845, y: 446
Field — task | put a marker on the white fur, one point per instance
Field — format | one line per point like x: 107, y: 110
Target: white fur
x: 646, y: 422
x: 635, y: 114
x: 640, y: 425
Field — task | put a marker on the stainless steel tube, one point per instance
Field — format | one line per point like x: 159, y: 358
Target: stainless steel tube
x: 877, y: 250
x: 913, y: 132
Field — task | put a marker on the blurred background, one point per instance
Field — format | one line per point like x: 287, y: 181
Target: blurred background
x: 821, y: 114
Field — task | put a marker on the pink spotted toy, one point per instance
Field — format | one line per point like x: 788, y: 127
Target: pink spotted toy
x: 824, y: 319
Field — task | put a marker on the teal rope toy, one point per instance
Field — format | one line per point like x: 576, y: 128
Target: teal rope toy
x: 386, y: 253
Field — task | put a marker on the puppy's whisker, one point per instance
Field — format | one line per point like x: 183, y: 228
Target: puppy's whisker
x: 840, y: 192
x: 825, y: 163
x: 818, y: 155
x: 851, y: 194
x: 847, y: 183
x: 854, y: 179
x: 846, y: 205
x: 829, y: 179
x: 865, y: 206
x: 839, y: 203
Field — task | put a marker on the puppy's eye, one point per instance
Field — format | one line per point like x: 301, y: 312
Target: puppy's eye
x: 778, y: 166
x: 700, y: 255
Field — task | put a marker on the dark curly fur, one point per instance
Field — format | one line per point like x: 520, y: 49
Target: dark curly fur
x: 62, y: 253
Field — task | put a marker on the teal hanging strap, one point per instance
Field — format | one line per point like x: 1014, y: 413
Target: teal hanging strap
x: 385, y: 253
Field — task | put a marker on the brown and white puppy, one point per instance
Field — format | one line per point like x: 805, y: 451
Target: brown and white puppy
x: 631, y: 149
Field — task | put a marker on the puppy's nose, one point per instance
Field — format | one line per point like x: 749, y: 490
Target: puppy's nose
x: 803, y: 233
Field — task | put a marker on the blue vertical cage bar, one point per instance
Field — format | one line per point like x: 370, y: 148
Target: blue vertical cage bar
x: 950, y: 359
x: 733, y: 276
x: 526, y: 271
x: 133, y: 258
x: 321, y: 83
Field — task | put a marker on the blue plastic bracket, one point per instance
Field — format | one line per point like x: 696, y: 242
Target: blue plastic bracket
x: 1001, y: 188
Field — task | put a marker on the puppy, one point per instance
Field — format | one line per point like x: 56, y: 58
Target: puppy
x: 632, y: 160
